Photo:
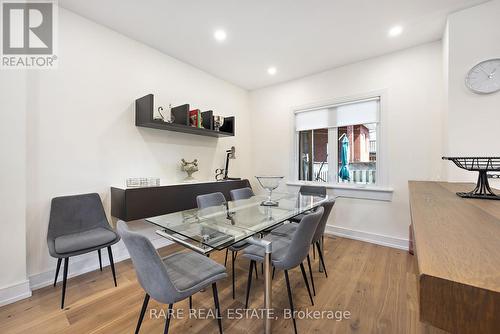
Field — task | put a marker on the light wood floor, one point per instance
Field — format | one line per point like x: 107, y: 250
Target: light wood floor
x: 376, y: 284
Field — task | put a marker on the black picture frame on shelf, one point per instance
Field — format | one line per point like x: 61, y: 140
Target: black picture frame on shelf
x: 207, y: 120
x: 228, y: 126
x: 181, y: 114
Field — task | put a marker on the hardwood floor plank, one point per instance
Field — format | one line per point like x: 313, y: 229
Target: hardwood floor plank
x: 376, y: 284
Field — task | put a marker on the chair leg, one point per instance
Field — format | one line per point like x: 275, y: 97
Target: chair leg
x: 167, y: 321
x: 290, y: 299
x: 218, y: 314
x: 100, y: 259
x: 143, y: 311
x: 59, y: 260
x: 225, y: 259
x: 274, y: 271
x: 307, y: 283
x: 190, y: 302
x: 311, y: 274
x: 262, y: 268
x: 256, y: 271
x: 249, y: 283
x: 321, y: 258
x: 65, y: 278
x: 314, y: 253
x: 322, y: 246
x: 232, y: 271
x: 110, y: 254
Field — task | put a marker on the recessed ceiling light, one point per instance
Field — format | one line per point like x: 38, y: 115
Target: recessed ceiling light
x: 395, y: 31
x: 220, y: 35
x: 271, y: 70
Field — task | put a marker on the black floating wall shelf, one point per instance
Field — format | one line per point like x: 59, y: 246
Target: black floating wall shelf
x: 144, y: 109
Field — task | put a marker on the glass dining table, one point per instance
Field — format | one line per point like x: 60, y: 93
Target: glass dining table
x: 218, y: 227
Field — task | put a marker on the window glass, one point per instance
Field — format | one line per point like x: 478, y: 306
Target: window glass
x: 357, y: 153
x: 313, y: 155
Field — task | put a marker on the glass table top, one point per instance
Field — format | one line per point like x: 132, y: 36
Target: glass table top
x: 218, y: 227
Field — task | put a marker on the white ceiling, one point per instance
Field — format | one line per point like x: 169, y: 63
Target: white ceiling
x: 298, y: 37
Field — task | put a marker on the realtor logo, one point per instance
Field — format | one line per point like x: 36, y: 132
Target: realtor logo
x: 28, y: 32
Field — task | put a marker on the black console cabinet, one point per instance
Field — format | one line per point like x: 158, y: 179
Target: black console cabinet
x: 137, y: 203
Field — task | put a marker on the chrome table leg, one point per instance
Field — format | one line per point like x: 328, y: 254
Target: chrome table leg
x: 268, y: 293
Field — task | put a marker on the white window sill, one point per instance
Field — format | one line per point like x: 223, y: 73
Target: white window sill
x: 377, y: 193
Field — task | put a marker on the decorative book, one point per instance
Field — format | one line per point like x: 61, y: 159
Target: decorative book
x: 195, y: 118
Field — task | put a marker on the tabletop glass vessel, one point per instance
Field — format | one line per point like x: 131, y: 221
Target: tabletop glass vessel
x: 269, y: 183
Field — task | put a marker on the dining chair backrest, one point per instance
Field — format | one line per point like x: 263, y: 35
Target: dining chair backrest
x: 320, y: 230
x: 150, y: 269
x: 313, y: 190
x: 76, y: 213
x: 208, y: 200
x: 301, y: 240
x: 242, y: 193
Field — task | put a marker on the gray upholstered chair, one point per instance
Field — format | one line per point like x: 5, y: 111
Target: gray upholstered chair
x: 218, y: 199
x: 287, y: 254
x: 288, y: 231
x: 242, y: 193
x: 312, y: 191
x: 208, y: 200
x: 172, y: 278
x: 78, y: 225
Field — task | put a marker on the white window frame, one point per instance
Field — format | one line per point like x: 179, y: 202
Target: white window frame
x: 380, y: 190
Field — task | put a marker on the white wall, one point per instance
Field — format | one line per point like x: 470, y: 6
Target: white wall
x: 412, y: 138
x: 472, y: 35
x: 81, y: 132
x: 71, y: 130
x: 13, y: 283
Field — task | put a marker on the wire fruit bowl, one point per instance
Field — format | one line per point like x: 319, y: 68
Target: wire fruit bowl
x: 483, y: 165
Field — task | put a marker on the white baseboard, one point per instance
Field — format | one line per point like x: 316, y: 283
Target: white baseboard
x: 85, y: 263
x: 13, y: 293
x: 373, y: 238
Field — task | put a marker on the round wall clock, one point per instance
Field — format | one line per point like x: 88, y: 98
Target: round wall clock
x: 484, y: 78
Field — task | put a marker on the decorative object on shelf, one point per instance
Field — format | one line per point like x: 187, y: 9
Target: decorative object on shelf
x: 269, y: 183
x: 144, y: 117
x: 195, y: 118
x: 189, y: 168
x: 221, y: 173
x: 483, y: 165
x: 484, y: 78
x: 218, y: 122
x: 162, y: 117
x: 134, y: 182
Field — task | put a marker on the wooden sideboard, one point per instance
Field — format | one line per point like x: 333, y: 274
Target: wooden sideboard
x: 457, y: 245
x: 137, y: 203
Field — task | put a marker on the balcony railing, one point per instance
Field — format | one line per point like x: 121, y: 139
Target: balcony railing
x: 364, y: 173
x: 320, y: 176
x: 356, y: 175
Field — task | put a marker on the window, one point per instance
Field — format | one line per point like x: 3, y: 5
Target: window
x: 361, y: 153
x: 313, y: 155
x: 338, y: 143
